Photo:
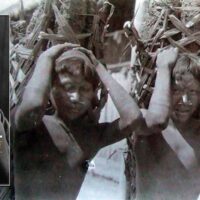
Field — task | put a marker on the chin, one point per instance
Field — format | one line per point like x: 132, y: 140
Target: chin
x: 72, y: 117
x: 75, y: 116
x: 181, y: 117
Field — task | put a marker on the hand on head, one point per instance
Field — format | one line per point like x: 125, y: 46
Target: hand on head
x: 167, y: 58
x: 55, y: 51
x: 90, y: 54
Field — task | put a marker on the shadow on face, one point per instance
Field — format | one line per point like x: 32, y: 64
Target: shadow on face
x: 185, y: 96
x: 73, y: 89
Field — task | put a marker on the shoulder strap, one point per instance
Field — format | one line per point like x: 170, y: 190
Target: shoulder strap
x: 63, y: 140
x: 180, y: 146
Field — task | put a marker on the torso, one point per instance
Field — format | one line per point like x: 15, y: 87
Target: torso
x: 42, y: 172
x: 160, y: 174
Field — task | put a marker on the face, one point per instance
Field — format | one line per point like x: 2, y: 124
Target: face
x: 72, y: 93
x: 185, y: 97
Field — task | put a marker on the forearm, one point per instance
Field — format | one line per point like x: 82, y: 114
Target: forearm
x: 158, y: 111
x: 38, y: 87
x: 36, y: 95
x: 125, y: 104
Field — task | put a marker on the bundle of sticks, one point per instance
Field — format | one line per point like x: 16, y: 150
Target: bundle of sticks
x: 53, y: 22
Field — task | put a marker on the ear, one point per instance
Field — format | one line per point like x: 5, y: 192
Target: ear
x: 93, y: 114
x: 196, y: 114
x: 98, y: 104
x: 103, y: 96
x: 95, y: 99
x: 52, y: 100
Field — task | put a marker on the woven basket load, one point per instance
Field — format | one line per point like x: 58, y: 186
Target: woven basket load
x: 53, y: 22
x: 172, y: 23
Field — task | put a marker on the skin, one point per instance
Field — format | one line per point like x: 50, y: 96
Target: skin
x: 72, y: 97
x: 168, y: 158
x: 185, y: 97
x: 73, y: 92
x: 157, y: 115
x: 31, y: 112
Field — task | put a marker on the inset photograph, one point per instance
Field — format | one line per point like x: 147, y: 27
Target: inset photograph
x: 4, y: 101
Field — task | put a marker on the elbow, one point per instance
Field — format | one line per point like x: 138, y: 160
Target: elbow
x: 131, y: 123
x: 156, y: 123
x: 26, y: 117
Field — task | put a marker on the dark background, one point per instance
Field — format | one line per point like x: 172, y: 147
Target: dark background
x: 4, y: 64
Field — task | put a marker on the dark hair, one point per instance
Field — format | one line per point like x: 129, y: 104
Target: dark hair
x: 187, y: 63
x: 65, y: 64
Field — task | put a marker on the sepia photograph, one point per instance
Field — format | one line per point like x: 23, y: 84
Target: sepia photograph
x: 100, y: 99
x: 4, y: 102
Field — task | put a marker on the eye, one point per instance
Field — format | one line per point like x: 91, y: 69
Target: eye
x: 86, y: 88
x: 176, y: 91
x: 192, y: 92
x: 69, y: 87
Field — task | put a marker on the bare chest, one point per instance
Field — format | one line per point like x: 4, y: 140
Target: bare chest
x: 161, y: 170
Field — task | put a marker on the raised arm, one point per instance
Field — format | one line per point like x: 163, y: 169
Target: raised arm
x: 129, y: 112
x: 36, y: 93
x: 157, y: 115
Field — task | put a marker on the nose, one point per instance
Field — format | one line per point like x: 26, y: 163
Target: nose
x: 75, y: 97
x: 185, y: 99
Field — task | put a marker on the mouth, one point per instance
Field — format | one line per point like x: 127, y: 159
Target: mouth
x: 182, y: 114
x: 182, y: 111
x: 75, y: 110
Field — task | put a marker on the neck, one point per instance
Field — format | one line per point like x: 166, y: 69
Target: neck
x: 191, y: 124
x: 70, y: 122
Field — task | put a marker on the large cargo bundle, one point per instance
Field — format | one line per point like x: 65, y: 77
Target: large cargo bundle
x: 53, y: 22
x: 172, y: 23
